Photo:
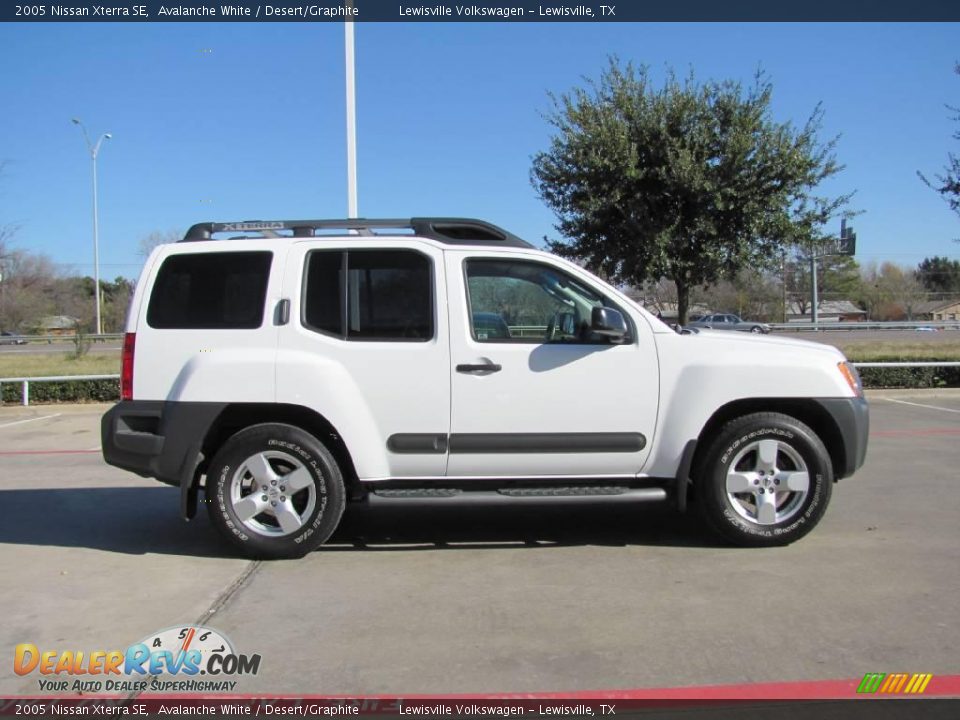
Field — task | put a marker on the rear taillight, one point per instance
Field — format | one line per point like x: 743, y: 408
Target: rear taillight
x: 126, y: 367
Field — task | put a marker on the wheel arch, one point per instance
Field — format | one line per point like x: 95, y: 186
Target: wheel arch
x: 237, y: 416
x: 807, y: 410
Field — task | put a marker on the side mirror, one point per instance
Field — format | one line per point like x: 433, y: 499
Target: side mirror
x: 608, y: 323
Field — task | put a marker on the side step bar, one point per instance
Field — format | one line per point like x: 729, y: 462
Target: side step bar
x: 577, y: 495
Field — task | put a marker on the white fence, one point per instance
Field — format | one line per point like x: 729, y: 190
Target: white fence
x: 25, y: 381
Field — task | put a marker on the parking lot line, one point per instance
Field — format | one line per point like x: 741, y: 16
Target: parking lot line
x: 29, y: 420
x: 932, y: 407
x: 47, y: 452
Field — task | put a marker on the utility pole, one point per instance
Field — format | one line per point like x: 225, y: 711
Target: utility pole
x: 813, y: 287
x: 783, y: 277
x: 3, y: 292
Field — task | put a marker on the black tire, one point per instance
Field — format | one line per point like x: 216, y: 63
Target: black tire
x: 756, y: 329
x: 747, y: 518
x: 285, y: 449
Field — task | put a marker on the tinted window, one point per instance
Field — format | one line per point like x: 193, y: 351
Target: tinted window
x: 210, y: 291
x: 323, y: 307
x: 370, y: 294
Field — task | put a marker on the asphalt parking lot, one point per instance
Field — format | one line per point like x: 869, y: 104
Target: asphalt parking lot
x: 456, y: 599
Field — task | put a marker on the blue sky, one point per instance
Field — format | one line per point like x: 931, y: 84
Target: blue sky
x: 246, y: 121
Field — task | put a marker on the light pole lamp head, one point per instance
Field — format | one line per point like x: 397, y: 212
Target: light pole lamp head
x: 108, y: 136
x: 75, y: 121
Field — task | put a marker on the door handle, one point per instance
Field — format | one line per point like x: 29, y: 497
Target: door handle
x: 487, y: 367
x: 282, y: 314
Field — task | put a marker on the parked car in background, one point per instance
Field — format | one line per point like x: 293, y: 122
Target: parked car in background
x: 9, y: 338
x: 725, y: 321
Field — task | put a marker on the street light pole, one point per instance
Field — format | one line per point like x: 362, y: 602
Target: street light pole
x: 94, y: 151
x: 351, y: 116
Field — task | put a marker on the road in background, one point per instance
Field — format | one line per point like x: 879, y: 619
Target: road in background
x: 54, y: 348
x: 450, y: 598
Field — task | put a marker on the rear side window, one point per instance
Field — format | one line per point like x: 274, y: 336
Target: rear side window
x: 210, y: 291
x: 369, y: 294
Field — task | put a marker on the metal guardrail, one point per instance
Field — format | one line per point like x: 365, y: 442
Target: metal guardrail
x: 33, y: 339
x: 25, y: 382
x: 856, y: 325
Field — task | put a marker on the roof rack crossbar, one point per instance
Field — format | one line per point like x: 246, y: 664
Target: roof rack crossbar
x: 458, y: 231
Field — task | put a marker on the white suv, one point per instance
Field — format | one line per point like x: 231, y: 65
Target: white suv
x: 311, y: 363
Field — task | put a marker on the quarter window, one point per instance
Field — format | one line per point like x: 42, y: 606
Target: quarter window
x: 369, y: 294
x: 210, y: 291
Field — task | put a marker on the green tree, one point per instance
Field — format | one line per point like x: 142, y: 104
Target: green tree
x: 939, y: 274
x: 948, y: 184
x: 690, y: 182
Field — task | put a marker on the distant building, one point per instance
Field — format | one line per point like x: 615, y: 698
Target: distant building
x: 827, y: 311
x: 62, y: 325
x: 938, y: 310
x: 664, y: 310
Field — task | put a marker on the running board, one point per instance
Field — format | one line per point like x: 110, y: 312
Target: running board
x: 593, y: 493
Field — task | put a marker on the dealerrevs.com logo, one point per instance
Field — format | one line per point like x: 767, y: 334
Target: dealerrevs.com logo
x: 178, y: 659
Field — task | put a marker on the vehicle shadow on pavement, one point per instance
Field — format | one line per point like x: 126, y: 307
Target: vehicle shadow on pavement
x: 132, y: 520
x: 143, y: 520
x: 435, y: 526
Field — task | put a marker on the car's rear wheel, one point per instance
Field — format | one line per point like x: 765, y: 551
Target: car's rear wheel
x: 275, y: 491
x: 765, y: 480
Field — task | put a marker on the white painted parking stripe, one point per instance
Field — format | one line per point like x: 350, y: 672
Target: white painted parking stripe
x: 29, y: 420
x: 932, y: 407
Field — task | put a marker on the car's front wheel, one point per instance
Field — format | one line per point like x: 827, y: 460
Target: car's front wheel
x: 765, y: 480
x: 275, y: 491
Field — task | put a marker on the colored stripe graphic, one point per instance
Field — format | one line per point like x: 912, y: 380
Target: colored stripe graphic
x: 893, y: 683
x: 918, y: 683
x: 871, y: 682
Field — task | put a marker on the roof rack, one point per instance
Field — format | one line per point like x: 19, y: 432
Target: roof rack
x: 454, y: 231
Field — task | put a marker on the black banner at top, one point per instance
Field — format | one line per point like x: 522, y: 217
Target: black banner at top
x: 481, y: 11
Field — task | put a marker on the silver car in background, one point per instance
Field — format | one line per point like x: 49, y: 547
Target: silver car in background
x: 9, y: 338
x: 725, y: 321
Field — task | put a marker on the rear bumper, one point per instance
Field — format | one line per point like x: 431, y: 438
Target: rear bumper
x: 852, y: 418
x: 157, y: 439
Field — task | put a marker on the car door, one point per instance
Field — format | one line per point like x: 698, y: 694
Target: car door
x: 551, y: 399
x: 366, y: 346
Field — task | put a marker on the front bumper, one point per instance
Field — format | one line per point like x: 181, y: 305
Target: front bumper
x: 852, y: 418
